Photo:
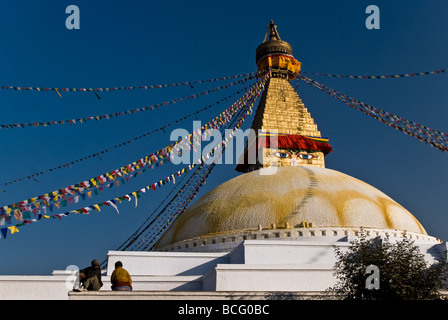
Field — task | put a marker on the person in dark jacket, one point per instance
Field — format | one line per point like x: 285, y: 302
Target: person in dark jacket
x: 90, y: 277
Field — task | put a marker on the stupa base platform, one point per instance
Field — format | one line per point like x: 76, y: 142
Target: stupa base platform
x: 199, y: 295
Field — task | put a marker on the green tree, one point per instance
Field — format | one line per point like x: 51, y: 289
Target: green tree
x: 403, y: 272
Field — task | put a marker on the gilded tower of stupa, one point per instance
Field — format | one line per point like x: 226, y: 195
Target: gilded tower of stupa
x: 281, y: 114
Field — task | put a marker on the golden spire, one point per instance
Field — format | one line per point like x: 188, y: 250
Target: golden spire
x: 282, y: 114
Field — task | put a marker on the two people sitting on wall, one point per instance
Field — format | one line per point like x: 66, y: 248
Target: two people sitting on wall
x: 90, y: 278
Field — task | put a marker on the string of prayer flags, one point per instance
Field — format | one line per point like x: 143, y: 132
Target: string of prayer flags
x: 122, y: 113
x: 433, y: 137
x: 81, y: 189
x: 164, y: 221
x: 177, y: 198
x: 126, y: 88
x: 245, y: 103
x: 392, y: 76
x: 124, y: 143
x: 85, y: 210
x: 155, y: 228
x: 146, y: 238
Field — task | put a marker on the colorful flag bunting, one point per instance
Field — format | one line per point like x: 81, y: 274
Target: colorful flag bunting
x: 224, y: 117
x: 122, y: 113
x: 392, y: 76
x: 127, y: 88
x: 125, y: 143
x: 433, y: 137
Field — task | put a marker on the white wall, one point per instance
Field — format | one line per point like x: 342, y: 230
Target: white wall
x: 274, y: 277
x: 165, y: 263
x: 254, y: 265
x: 52, y: 287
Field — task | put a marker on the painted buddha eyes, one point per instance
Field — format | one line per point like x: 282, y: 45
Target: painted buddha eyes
x: 304, y: 156
x: 282, y: 155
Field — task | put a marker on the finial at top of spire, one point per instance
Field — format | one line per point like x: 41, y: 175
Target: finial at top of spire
x: 276, y: 55
x: 272, y: 31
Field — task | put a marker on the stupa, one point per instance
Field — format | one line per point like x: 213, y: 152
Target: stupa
x: 273, y: 227
x: 288, y: 191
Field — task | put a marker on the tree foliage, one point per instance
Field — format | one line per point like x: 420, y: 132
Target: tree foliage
x: 403, y: 272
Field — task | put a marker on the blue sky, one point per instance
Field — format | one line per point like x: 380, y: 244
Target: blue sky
x: 131, y: 43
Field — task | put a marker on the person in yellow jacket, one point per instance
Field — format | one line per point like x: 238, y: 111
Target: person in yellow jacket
x: 120, y: 278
